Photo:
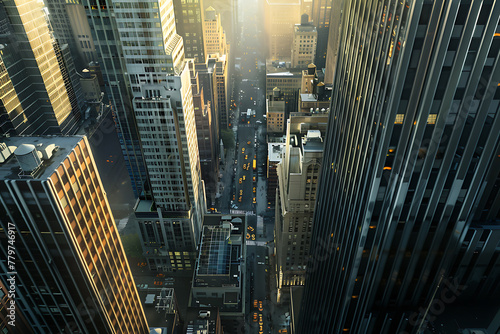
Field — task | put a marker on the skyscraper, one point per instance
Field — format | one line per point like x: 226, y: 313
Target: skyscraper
x: 66, y: 259
x: 410, y: 160
x: 280, y: 16
x: 208, y: 138
x: 33, y: 65
x: 214, y: 35
x: 151, y: 84
x: 321, y: 14
x: 189, y: 21
x: 304, y: 43
x: 298, y: 176
x: 109, y: 49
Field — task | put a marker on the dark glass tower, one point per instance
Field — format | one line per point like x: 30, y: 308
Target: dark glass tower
x: 411, y: 166
x: 109, y: 47
x: 321, y: 13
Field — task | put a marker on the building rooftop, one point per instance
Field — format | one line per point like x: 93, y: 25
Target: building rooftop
x: 50, y: 151
x: 215, y: 251
x: 276, y: 151
x: 194, y: 324
x: 281, y: 68
x: 220, y: 251
x: 305, y: 28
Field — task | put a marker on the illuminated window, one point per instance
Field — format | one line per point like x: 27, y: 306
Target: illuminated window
x: 399, y: 119
x: 432, y: 119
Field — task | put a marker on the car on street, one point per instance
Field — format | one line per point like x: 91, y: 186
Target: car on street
x: 255, y: 303
x: 254, y: 201
x: 249, y: 142
x: 244, y: 177
x: 261, y: 308
x: 254, y: 190
x: 240, y: 180
x: 243, y: 150
x: 255, y: 318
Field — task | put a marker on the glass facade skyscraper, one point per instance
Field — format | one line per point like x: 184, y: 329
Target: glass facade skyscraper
x: 410, y: 174
x: 59, y: 241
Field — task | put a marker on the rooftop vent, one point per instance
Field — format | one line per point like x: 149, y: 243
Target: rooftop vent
x: 5, y: 152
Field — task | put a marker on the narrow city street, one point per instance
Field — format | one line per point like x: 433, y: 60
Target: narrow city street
x: 245, y: 175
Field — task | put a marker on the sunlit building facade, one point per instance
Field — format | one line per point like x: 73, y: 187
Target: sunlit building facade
x: 280, y: 16
x: 71, y: 272
x: 410, y: 167
x: 304, y: 43
x: 215, y: 38
x: 162, y: 102
x: 33, y: 65
x: 298, y: 177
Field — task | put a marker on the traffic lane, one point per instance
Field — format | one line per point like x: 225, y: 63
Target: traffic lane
x: 260, y: 285
x: 246, y: 185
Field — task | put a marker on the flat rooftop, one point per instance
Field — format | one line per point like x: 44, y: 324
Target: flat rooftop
x: 275, y: 151
x: 10, y: 168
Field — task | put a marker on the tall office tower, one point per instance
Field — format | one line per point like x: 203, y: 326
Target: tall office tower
x: 213, y: 34
x: 222, y: 92
x: 321, y: 13
x: 208, y: 138
x: 306, y: 7
x: 69, y: 269
x: 280, y: 16
x: 160, y: 84
x: 205, y: 75
x: 82, y: 35
x: 298, y: 176
x: 189, y: 21
x: 332, y: 47
x: 214, y: 78
x: 166, y: 121
x: 69, y: 57
x: 305, y: 38
x: 32, y: 62
x: 60, y: 23
x: 410, y: 165
x: 110, y: 54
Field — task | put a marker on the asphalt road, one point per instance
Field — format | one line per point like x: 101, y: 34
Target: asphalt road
x: 249, y: 93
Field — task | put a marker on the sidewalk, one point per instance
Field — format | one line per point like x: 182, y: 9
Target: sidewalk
x: 277, y: 311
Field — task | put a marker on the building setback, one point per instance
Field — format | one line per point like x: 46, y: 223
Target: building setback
x: 71, y: 273
x: 410, y: 166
